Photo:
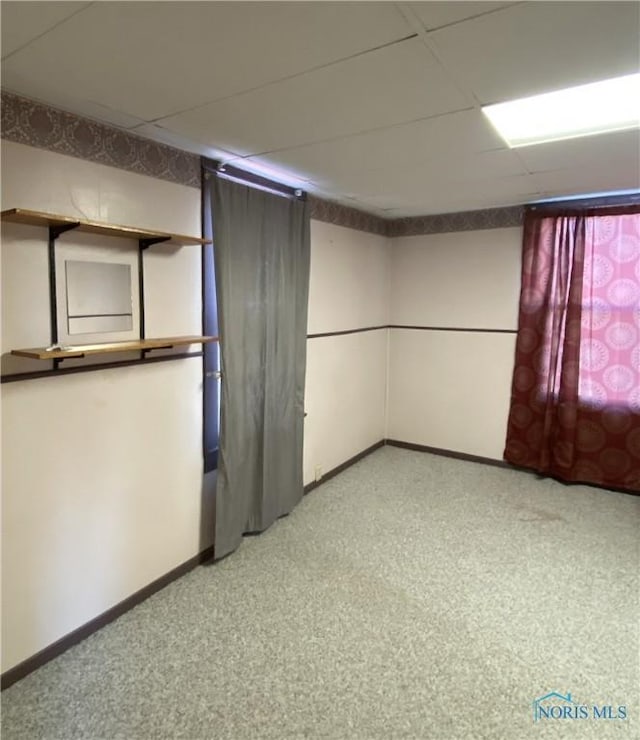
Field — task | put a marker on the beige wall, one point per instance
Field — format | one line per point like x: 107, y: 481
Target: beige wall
x: 450, y: 389
x: 349, y: 283
x: 101, y: 472
x: 468, y: 279
x: 346, y: 374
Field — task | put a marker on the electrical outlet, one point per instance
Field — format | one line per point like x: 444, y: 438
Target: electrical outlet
x: 317, y: 472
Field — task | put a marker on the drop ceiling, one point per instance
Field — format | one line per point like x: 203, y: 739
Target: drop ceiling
x: 375, y: 105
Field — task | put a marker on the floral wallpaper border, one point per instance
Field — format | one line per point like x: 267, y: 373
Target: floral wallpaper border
x: 352, y: 218
x: 489, y: 218
x: 26, y: 121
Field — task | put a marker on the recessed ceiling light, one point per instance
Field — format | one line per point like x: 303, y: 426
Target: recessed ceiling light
x: 596, y: 108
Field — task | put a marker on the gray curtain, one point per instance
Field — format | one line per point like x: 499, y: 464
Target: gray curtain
x: 261, y: 247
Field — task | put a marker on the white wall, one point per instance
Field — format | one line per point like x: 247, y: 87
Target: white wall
x: 101, y: 472
x: 346, y: 374
x: 450, y: 389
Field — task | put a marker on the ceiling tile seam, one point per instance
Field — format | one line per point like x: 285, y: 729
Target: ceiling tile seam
x: 221, y: 154
x: 431, y: 44
x: 139, y: 130
x: 522, y: 162
x: 44, y: 33
x: 414, y: 21
x: 98, y: 105
x: 363, y: 132
x: 293, y: 76
x: 472, y: 17
x: 405, y: 166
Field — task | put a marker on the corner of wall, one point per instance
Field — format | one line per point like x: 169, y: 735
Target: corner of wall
x: 387, y: 371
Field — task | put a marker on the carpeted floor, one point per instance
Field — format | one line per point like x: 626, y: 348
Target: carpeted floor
x: 412, y: 596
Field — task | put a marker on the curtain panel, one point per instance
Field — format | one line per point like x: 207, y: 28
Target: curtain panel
x: 262, y: 256
x: 575, y: 399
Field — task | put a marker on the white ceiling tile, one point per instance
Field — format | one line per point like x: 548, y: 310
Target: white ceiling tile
x: 586, y: 180
x: 451, y: 203
x: 337, y: 197
x: 157, y: 133
x: 397, y: 146
x: 352, y: 96
x: 24, y: 21
x: 493, y: 193
x: 615, y: 151
x: 470, y: 171
x: 437, y: 14
x: 538, y: 47
x: 151, y: 59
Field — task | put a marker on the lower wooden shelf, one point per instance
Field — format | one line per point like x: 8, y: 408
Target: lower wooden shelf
x: 82, y: 350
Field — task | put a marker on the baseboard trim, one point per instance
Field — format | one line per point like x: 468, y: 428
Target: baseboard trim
x: 450, y: 453
x: 504, y: 464
x: 29, y: 665
x: 343, y: 466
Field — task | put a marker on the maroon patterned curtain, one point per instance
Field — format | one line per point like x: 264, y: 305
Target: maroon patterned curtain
x: 575, y: 398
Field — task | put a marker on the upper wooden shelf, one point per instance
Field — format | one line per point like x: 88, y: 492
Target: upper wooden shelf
x: 37, y: 218
x: 80, y: 350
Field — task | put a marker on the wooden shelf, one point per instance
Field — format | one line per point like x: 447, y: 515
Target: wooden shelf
x: 81, y: 350
x: 37, y: 218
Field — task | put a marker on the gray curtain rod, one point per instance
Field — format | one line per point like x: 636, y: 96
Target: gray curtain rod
x: 213, y: 167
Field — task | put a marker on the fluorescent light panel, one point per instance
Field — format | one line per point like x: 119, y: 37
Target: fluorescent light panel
x: 596, y: 108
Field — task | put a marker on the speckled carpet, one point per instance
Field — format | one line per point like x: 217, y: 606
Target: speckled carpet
x: 412, y: 596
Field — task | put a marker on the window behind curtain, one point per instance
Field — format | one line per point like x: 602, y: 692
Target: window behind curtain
x: 610, y: 327
x: 575, y: 399
x: 211, y: 385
